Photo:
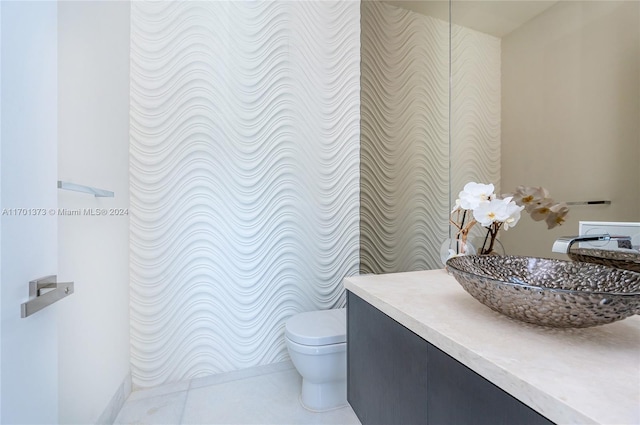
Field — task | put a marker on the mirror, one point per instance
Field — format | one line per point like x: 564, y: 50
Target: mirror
x: 543, y: 93
x: 569, y: 102
x: 404, y: 137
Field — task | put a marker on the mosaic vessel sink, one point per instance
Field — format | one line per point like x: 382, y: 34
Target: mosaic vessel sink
x: 628, y: 259
x: 556, y: 293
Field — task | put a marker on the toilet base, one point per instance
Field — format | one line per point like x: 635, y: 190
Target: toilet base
x: 325, y: 396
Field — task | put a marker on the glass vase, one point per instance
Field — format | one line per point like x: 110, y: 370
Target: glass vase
x: 455, y: 247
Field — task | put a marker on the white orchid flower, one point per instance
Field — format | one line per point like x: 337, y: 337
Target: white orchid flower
x: 529, y: 196
x: 498, y: 210
x: 487, y: 213
x: 473, y: 194
x: 512, y: 209
x: 541, y: 210
x: 496, y: 214
x: 557, y: 214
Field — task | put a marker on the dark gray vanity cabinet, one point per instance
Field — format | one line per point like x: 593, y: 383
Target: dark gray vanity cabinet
x: 396, y: 377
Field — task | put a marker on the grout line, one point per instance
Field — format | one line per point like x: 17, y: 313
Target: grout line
x: 159, y: 391
x: 184, y: 405
x: 241, y: 374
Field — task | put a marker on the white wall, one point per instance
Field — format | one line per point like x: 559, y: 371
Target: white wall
x: 244, y: 178
x: 570, y: 122
x: 93, y: 78
x: 28, y: 175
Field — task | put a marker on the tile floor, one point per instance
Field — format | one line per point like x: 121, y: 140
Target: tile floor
x: 265, y: 395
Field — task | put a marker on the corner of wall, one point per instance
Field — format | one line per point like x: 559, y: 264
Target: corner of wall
x: 114, y: 406
x: 93, y: 85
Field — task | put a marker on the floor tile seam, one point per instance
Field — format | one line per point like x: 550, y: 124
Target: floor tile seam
x: 184, y: 407
x: 241, y: 378
x: 162, y: 394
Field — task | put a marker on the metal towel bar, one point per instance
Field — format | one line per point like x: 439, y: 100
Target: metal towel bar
x: 44, y: 292
x: 589, y: 203
x: 98, y: 193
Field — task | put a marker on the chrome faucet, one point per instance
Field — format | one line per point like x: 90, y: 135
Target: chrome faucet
x: 563, y: 244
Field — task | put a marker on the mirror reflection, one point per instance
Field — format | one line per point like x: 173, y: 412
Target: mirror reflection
x: 570, y: 115
x: 404, y: 145
x: 542, y: 94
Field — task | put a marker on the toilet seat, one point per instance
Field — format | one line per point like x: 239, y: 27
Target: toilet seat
x: 316, y: 350
x: 318, y: 328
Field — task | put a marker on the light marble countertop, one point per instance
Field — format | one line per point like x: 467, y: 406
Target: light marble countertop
x: 571, y: 376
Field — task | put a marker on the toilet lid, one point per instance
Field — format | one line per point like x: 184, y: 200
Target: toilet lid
x: 318, y: 327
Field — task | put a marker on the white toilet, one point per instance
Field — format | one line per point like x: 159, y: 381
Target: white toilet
x: 317, y: 344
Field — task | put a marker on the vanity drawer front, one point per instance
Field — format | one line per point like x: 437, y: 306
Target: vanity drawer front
x: 386, y: 367
x: 396, y: 377
x: 458, y: 395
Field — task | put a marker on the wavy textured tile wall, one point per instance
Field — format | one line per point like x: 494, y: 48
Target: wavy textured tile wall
x: 244, y: 178
x: 404, y: 141
x: 475, y: 108
x: 475, y: 112
x: 405, y: 175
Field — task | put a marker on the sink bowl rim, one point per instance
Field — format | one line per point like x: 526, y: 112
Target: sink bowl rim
x: 620, y: 259
x: 498, y: 280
